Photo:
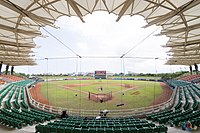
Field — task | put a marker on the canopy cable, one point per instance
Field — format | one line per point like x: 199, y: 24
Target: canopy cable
x: 61, y: 42
x: 102, y: 57
x: 139, y: 43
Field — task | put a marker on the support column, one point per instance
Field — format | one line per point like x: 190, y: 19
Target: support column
x: 12, y: 70
x: 196, y: 68
x: 190, y: 70
x: 1, y: 66
x: 7, y: 67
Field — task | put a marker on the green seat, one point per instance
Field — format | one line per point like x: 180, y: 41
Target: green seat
x: 156, y: 129
x: 125, y: 130
x: 77, y: 130
x: 133, y: 129
x: 100, y: 130
x: 104, y: 125
x: 18, y: 124
x: 163, y: 129
x: 141, y: 130
x: 39, y: 128
x: 46, y: 129
x: 60, y: 129
x: 85, y: 130
x: 117, y: 130
x: 148, y: 130
x: 109, y: 130
x: 53, y: 128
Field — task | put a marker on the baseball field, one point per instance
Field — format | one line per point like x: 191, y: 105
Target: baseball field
x: 89, y: 94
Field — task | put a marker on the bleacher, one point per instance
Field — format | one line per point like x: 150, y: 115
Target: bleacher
x: 191, y: 78
x: 177, y: 83
x: 11, y: 78
x: 15, y: 111
x: 185, y: 109
x: 103, y: 125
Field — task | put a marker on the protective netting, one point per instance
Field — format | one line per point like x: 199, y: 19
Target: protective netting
x: 100, y: 97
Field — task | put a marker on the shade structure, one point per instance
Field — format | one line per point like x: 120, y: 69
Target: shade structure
x: 21, y: 20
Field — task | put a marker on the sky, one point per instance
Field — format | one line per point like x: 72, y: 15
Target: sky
x: 100, y: 36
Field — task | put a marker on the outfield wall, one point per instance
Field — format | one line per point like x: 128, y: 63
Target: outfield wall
x: 112, y: 113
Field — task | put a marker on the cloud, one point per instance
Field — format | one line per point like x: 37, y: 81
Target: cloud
x: 101, y: 35
x: 83, y: 47
x: 107, y: 35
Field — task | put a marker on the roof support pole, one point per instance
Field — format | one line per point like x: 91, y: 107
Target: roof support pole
x: 12, y: 70
x: 190, y: 70
x: 7, y: 67
x: 1, y: 66
x: 196, y: 68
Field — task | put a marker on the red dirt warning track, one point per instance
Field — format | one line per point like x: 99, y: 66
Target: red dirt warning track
x: 37, y: 95
x: 167, y: 92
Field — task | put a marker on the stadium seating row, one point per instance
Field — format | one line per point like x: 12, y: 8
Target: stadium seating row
x: 11, y: 78
x: 64, y: 129
x: 10, y: 121
x: 186, y: 108
x: 7, y: 102
x: 20, y: 114
x: 4, y: 92
x: 16, y: 98
x: 177, y: 83
x: 178, y: 120
x: 80, y: 125
x: 190, y: 78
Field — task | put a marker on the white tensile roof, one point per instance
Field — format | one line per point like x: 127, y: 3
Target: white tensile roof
x: 20, y: 22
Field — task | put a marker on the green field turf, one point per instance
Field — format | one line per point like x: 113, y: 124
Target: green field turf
x: 142, y: 96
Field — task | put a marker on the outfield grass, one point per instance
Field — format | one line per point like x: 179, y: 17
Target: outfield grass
x: 143, y: 96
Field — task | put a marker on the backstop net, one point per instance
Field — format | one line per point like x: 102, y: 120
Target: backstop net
x: 100, y: 97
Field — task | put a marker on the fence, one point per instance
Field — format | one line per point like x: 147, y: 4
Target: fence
x: 100, y: 97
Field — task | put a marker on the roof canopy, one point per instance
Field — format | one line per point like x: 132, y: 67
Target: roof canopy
x: 20, y: 21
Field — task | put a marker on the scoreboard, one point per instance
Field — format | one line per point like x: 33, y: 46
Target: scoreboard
x: 100, y: 75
